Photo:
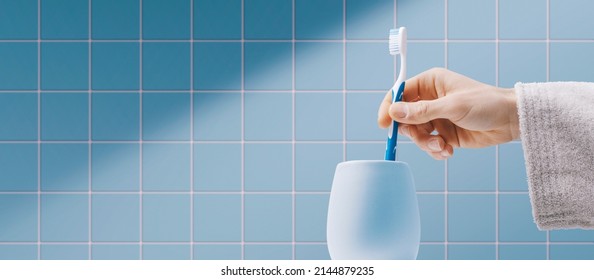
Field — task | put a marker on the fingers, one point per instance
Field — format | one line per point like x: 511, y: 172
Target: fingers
x: 424, y: 111
x: 383, y: 118
x: 421, y: 135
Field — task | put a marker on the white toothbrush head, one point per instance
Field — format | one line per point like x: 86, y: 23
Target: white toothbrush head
x: 397, y: 42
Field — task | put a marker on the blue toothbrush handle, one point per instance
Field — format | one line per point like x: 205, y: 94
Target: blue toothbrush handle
x: 393, y: 133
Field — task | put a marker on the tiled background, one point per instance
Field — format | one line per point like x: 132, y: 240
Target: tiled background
x: 210, y: 129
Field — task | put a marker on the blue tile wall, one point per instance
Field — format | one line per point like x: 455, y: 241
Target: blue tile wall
x: 115, y: 217
x: 318, y: 116
x: 310, y: 217
x: 318, y: 19
x: 321, y: 70
x: 115, y: 19
x: 512, y: 169
x: 217, y: 252
x: 570, y: 235
x: 166, y: 167
x: 268, y: 252
x: 268, y: 19
x: 115, y: 252
x: 64, y: 218
x: 230, y: 117
x: 312, y: 252
x: 428, y: 173
x: 524, y: 19
x: 115, y: 66
x: 432, y: 211
x: 166, y: 66
x: 18, y: 19
x: 571, y: 61
x: 268, y: 116
x: 431, y: 252
x: 472, y: 170
x: 19, y: 167
x: 260, y: 73
x: 159, y: 108
x: 64, y: 252
x: 424, y: 19
x: 522, y: 252
x: 19, y: 66
x: 475, y: 60
x: 217, y: 218
x: 64, y: 116
x: 166, y: 252
x: 214, y: 19
x: 64, y: 167
x: 572, y: 252
x: 64, y: 19
x: 268, y: 217
x: 18, y: 112
x: 515, y: 220
x: 115, y: 176
x: 217, y: 65
x: 18, y: 252
x: 424, y: 56
x: 468, y: 19
x: 570, y: 19
x: 522, y: 62
x: 115, y: 116
x: 368, y: 19
x: 361, y: 116
x: 64, y: 66
x: 217, y: 167
x: 166, y: 20
x: 166, y: 218
x: 369, y: 66
x: 314, y: 166
x: 21, y: 227
x: 217, y: 116
x: 472, y: 252
x: 268, y: 167
x: 471, y: 217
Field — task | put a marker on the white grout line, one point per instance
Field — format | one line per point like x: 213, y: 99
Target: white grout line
x: 140, y: 136
x: 303, y: 40
x: 192, y: 130
x: 287, y: 243
x: 185, y: 91
x: 242, y: 129
x: 90, y: 139
x: 497, y: 146
x: 201, y: 141
x: 38, y: 129
x: 247, y: 192
x: 344, y: 91
x: 548, y: 40
x: 293, y: 218
x: 446, y: 222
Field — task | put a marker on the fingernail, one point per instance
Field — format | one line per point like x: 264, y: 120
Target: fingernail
x: 434, y: 145
x: 445, y: 153
x: 399, y: 110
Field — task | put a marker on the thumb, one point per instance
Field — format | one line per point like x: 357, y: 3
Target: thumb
x: 422, y: 111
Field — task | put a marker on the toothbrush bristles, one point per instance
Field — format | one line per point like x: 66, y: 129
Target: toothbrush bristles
x: 394, y: 42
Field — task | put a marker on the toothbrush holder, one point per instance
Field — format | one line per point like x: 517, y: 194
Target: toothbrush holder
x: 373, y: 212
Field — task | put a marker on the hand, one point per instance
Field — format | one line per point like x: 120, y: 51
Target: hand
x: 465, y: 113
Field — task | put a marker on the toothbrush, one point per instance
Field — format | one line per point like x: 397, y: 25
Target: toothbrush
x: 397, y: 45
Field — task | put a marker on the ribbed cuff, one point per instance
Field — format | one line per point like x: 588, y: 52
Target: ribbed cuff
x: 559, y: 157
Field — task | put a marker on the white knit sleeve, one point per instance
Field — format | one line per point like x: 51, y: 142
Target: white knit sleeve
x: 557, y: 131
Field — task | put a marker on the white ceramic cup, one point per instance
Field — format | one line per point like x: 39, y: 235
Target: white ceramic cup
x: 373, y: 212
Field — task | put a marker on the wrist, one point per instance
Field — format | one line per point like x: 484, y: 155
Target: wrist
x: 512, y: 108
